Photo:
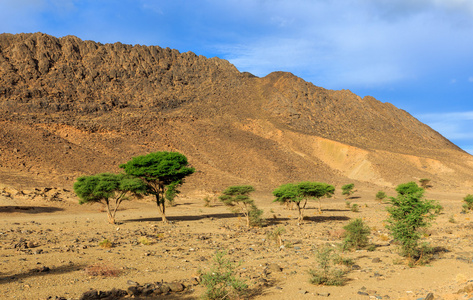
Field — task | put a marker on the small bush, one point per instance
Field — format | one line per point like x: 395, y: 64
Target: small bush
x: 468, y: 205
x: 380, y: 196
x: 347, y: 189
x: 355, y: 208
x: 144, y: 241
x: 207, y: 201
x: 221, y: 282
x: 356, y: 235
x: 326, y: 274
x: 338, y: 260
x: 256, y: 218
x: 106, y: 244
x: 347, y: 204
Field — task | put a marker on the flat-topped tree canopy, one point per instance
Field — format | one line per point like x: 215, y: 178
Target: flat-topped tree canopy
x: 163, y: 166
x: 162, y: 171
x: 302, y: 191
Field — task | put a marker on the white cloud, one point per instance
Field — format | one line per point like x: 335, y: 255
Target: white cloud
x: 453, y: 125
x: 354, y: 43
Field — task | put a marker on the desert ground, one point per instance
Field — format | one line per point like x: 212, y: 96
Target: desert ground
x: 49, y: 248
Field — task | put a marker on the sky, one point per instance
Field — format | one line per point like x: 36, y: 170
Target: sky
x: 415, y: 54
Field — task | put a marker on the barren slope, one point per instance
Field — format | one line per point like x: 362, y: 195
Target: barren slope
x: 70, y: 107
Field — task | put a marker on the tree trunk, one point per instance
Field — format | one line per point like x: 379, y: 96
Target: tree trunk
x: 300, y: 213
x: 110, y: 215
x: 162, y: 208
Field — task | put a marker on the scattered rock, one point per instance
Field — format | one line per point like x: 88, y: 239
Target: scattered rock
x: 176, y: 287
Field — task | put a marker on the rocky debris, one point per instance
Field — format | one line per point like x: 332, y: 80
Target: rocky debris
x: 147, y: 290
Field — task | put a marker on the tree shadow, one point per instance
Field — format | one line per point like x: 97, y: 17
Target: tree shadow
x: 42, y: 271
x: 275, y: 221
x: 176, y: 296
x: 29, y: 209
x: 185, y: 218
x: 261, y: 288
x: 333, y: 209
x: 326, y: 218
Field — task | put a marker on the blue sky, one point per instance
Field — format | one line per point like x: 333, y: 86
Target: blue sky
x: 415, y: 54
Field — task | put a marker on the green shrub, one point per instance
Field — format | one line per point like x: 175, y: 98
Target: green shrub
x: 106, y: 244
x: 381, y: 195
x: 221, y: 282
x: 238, y: 199
x: 326, y: 274
x: 355, y: 208
x: 468, y: 205
x: 409, y: 212
x: 347, y: 189
x: 255, y: 216
x: 356, y: 235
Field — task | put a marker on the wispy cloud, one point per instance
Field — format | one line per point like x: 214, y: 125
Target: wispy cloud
x: 456, y: 126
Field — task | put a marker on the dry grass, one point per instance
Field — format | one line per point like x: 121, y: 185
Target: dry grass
x: 101, y: 269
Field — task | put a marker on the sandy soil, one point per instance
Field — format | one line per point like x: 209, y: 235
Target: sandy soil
x: 47, y: 246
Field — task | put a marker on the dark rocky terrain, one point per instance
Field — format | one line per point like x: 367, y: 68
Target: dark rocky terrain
x: 70, y: 107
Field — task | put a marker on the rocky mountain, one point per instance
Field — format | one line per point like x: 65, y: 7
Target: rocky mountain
x: 70, y: 107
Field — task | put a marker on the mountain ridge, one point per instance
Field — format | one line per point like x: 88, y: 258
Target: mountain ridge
x: 71, y: 107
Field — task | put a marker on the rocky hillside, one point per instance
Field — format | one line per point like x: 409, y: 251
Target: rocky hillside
x: 70, y: 107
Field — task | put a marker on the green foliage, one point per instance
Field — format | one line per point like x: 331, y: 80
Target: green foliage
x: 347, y: 189
x: 299, y: 193
x: 221, y: 282
x: 408, y: 213
x: 106, y: 244
x: 452, y: 219
x: 237, y: 197
x: 106, y: 186
x: 172, y: 192
x: 381, y: 195
x: 326, y: 273
x: 162, y: 172
x: 255, y: 216
x: 408, y: 188
x: 468, y: 205
x: 355, y: 208
x: 357, y: 234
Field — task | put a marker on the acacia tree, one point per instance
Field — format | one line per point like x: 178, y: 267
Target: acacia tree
x: 163, y: 172
x: 238, y: 198
x: 108, y: 188
x: 348, y: 189
x: 299, y: 193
